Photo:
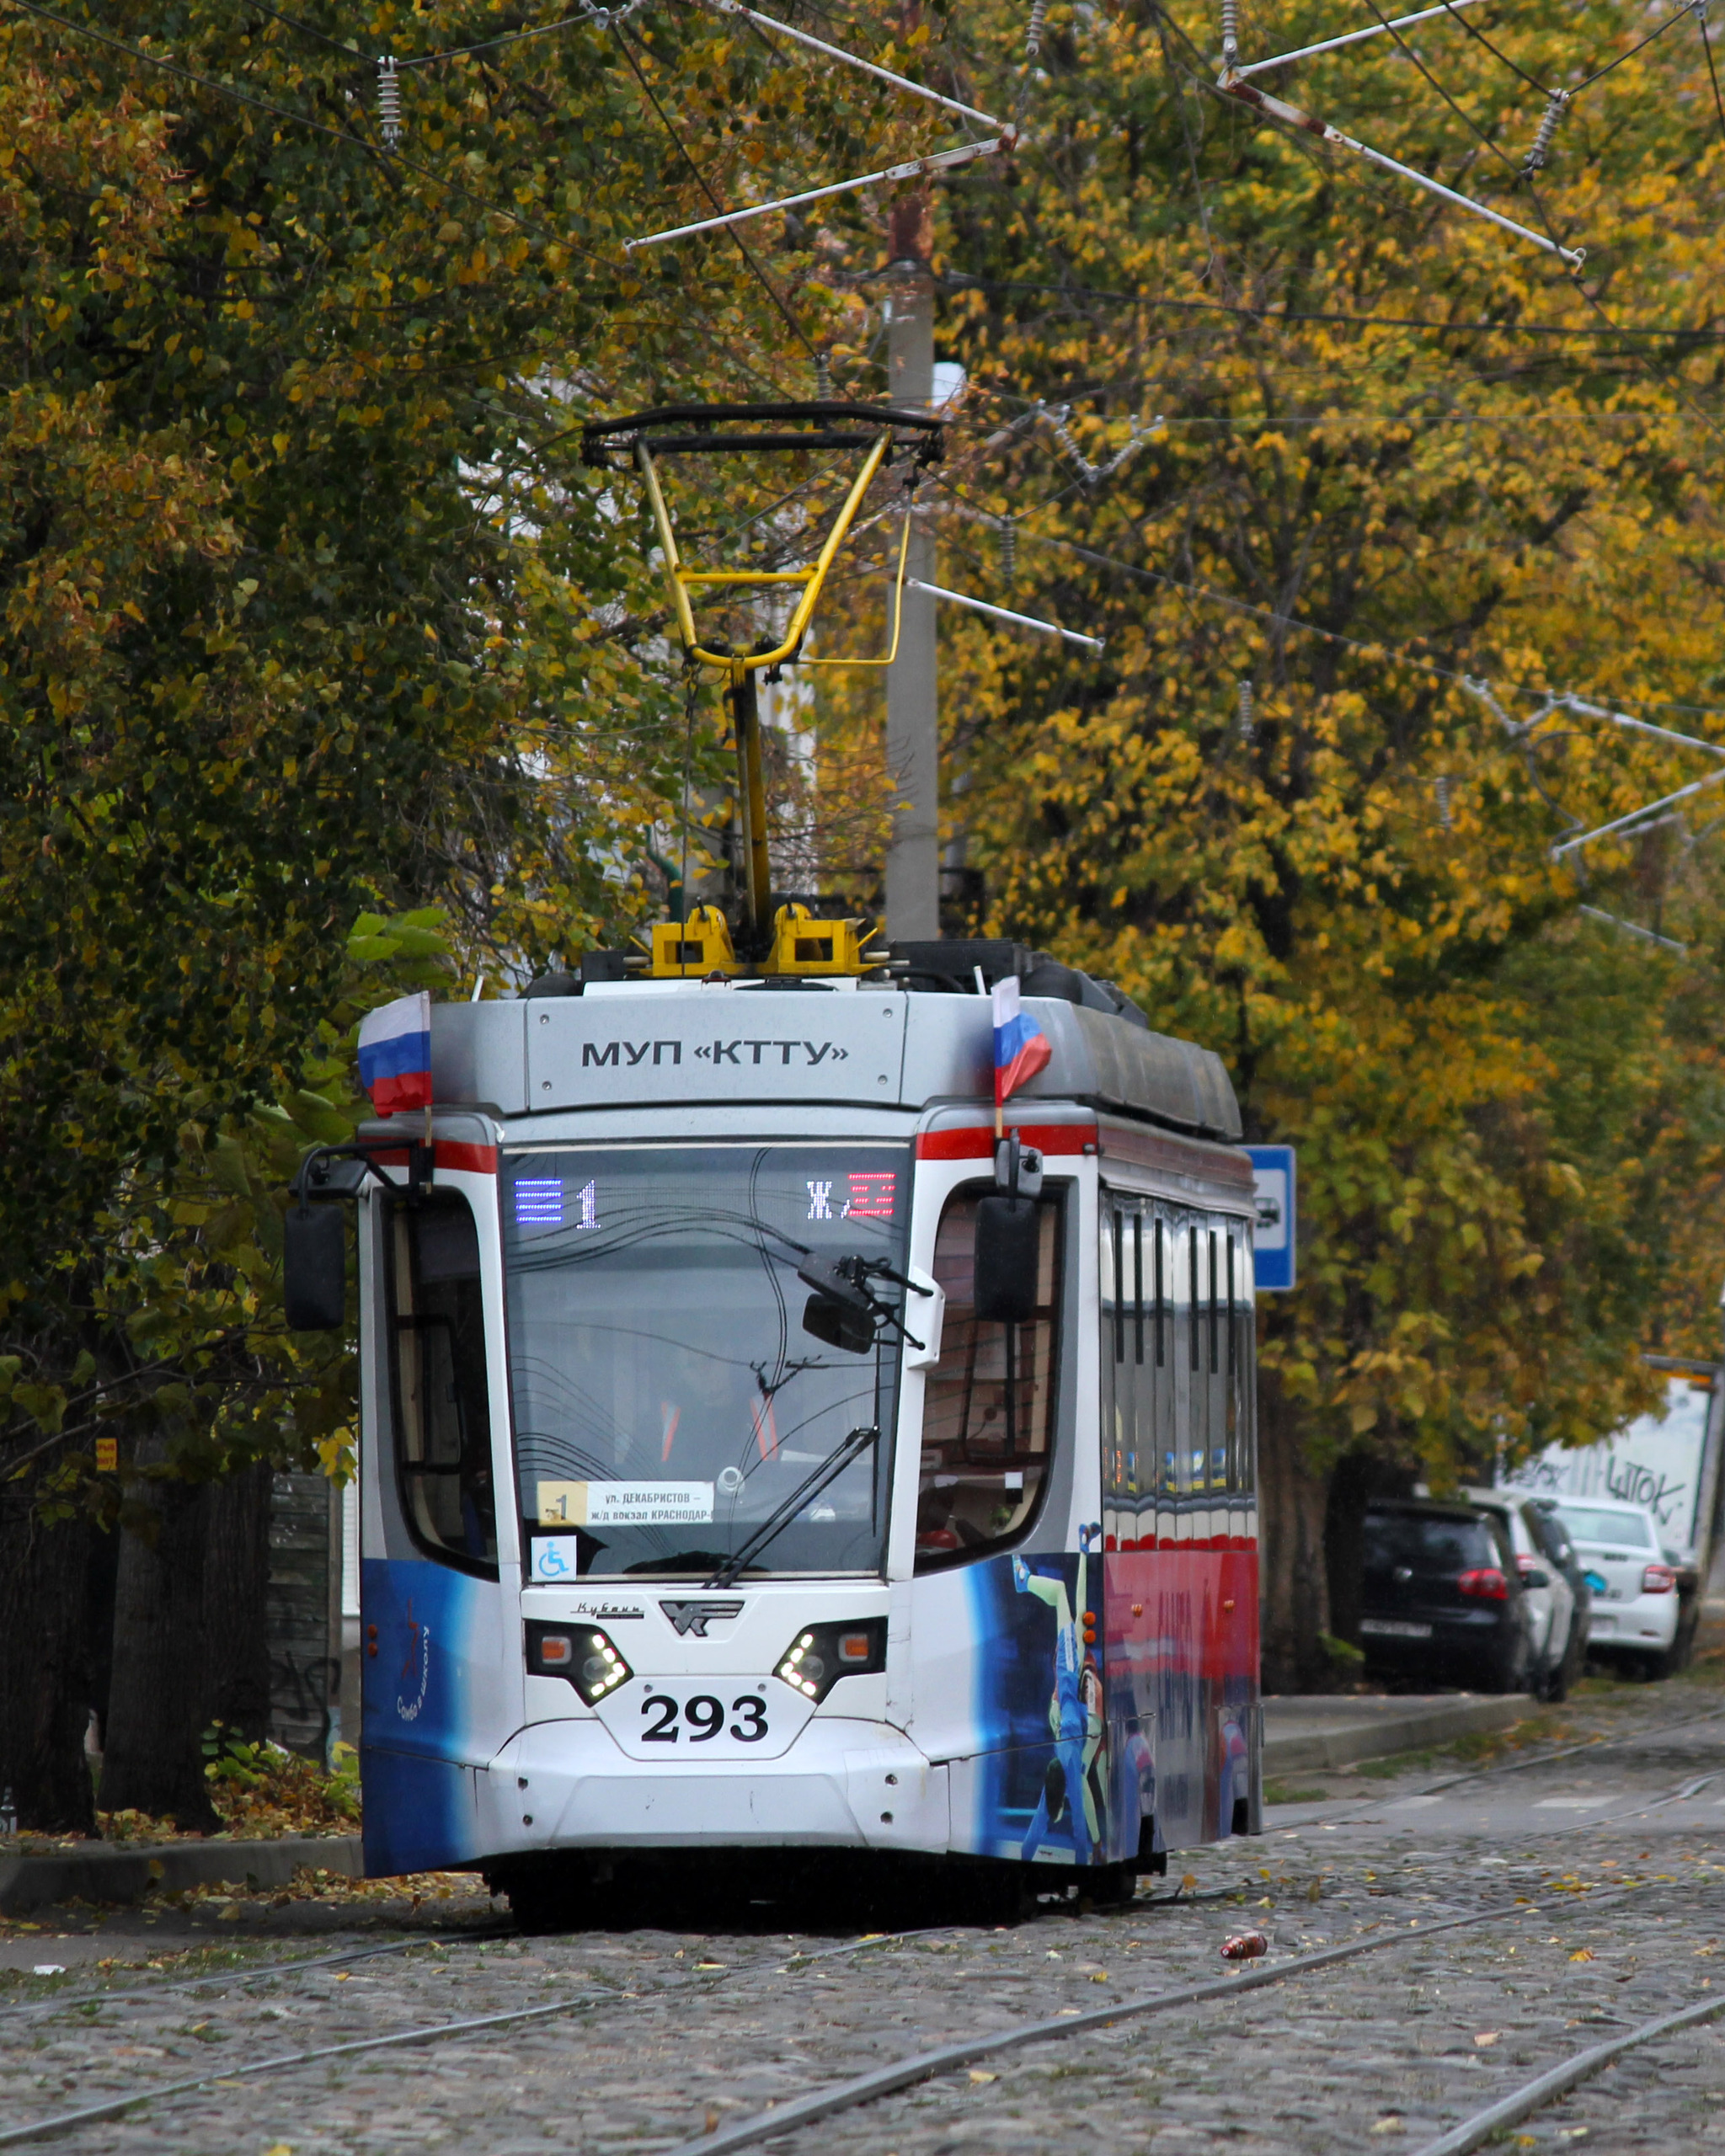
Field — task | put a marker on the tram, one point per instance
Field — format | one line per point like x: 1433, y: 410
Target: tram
x: 757, y: 1456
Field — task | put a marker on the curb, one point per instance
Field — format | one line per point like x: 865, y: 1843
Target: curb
x: 1303, y: 1734
x: 127, y: 1871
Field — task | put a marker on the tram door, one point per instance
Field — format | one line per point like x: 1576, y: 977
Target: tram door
x: 1179, y: 1524
x: 439, y: 1693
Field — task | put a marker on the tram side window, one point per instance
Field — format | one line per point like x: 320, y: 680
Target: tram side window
x: 1179, y: 1382
x: 442, y: 1399
x: 988, y: 1409
x: 1138, y: 1357
x: 1242, y: 1397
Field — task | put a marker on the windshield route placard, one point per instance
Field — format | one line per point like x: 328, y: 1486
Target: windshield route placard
x: 624, y: 1504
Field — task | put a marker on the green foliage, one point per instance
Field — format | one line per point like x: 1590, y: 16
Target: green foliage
x: 1507, y: 1114
x: 309, y: 616
x: 264, y: 1788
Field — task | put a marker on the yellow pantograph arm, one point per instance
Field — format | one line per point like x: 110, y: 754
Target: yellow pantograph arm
x: 812, y: 579
x: 898, y: 610
x: 668, y: 543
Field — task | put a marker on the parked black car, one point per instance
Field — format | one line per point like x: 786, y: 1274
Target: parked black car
x: 1441, y: 1598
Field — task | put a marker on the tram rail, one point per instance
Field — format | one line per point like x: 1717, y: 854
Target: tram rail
x: 115, y: 2107
x: 930, y: 2064
x: 270, y: 1971
x: 927, y: 2066
x: 1501, y: 1768
x: 1558, y: 2080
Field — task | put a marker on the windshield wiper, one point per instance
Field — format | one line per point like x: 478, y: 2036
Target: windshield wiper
x: 850, y: 1449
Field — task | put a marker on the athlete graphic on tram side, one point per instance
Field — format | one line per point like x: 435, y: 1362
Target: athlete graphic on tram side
x: 1074, y: 1716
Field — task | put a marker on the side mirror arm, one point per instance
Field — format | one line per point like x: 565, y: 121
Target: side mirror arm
x: 313, y: 1170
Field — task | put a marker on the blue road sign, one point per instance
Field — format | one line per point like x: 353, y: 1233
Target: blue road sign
x: 1273, y: 1245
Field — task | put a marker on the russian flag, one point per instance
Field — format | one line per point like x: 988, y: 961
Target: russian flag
x: 395, y: 1054
x: 1021, y: 1047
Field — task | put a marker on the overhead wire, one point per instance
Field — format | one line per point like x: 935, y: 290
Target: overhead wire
x: 1409, y: 52
x: 765, y: 283
x: 1532, y: 82
x: 1712, y: 72
x: 389, y: 159
x: 1600, y: 73
x: 604, y: 16
x: 186, y: 74
x: 1270, y: 318
x: 1589, y: 298
x: 308, y: 29
x: 1378, y: 649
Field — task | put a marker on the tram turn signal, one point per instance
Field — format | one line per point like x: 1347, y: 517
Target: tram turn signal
x: 820, y: 1655
x: 586, y: 1659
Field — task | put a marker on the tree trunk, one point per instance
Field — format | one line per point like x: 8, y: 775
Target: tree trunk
x: 1292, y: 1583
x: 44, y: 1689
x: 159, y: 1696
x: 236, y: 1584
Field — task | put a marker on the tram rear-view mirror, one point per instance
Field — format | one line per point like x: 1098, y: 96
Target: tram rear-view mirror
x: 314, y: 1267
x: 838, y: 1325
x: 1008, y: 1259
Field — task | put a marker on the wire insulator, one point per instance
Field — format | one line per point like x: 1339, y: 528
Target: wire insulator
x: 823, y: 377
x: 1441, y: 786
x: 1231, y: 32
x: 1033, y: 36
x: 1245, y: 718
x: 1009, y: 551
x: 1555, y: 107
x: 389, y: 102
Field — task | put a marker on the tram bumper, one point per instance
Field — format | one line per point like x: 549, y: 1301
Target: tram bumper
x: 843, y: 1785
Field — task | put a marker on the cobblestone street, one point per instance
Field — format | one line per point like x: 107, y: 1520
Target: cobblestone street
x: 1595, y: 1881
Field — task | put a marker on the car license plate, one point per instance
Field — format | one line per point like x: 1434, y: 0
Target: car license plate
x: 1392, y: 1628
x: 692, y: 1719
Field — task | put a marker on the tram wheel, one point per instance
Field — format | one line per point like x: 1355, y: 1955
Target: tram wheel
x: 1111, y: 1886
x: 548, y: 1896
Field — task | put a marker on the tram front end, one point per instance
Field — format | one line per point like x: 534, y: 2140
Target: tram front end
x: 757, y: 1456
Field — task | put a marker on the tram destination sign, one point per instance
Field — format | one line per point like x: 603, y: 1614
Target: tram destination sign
x: 583, y: 1052
x: 1274, y: 1238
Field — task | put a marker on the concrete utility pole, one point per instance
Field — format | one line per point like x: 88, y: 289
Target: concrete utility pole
x: 912, y: 698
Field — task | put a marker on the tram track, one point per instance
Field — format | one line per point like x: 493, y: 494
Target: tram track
x: 929, y: 2065
x: 117, y: 2107
x: 910, y: 2071
x: 624, y: 1993
x: 283, y: 1967
x: 1501, y: 1769
x: 1556, y: 2081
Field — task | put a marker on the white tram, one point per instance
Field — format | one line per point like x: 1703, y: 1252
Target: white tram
x: 704, y: 1511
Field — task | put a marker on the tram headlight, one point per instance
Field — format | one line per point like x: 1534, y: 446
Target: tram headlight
x: 581, y: 1654
x: 821, y: 1654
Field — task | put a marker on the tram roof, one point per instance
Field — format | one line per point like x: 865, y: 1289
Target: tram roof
x: 674, y: 1045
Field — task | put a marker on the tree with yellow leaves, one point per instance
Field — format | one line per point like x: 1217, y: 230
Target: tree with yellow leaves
x: 1316, y: 453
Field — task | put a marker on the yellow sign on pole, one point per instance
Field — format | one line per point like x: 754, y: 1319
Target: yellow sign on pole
x: 107, y: 1455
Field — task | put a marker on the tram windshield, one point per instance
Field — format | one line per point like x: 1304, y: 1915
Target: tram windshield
x: 667, y: 1398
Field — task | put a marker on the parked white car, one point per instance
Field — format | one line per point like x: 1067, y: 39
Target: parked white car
x: 1636, y: 1607
x: 1559, y: 1643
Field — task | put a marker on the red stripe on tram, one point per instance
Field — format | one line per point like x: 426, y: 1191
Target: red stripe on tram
x: 976, y: 1142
